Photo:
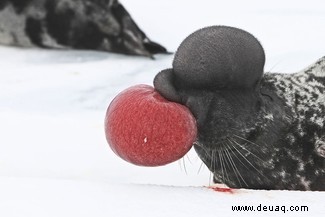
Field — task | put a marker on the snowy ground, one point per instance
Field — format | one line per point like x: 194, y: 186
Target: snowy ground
x: 54, y: 160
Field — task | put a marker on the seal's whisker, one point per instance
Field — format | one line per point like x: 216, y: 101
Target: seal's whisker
x: 242, y: 138
x: 210, y: 178
x: 225, y: 163
x: 274, y: 65
x: 231, y: 163
x: 199, y: 170
x: 221, y: 165
x: 216, y: 162
x: 254, y: 155
x: 189, y: 160
x: 242, y: 147
x: 207, y: 155
x: 184, y: 164
x: 204, y: 149
x: 212, y: 158
x: 234, y: 166
x: 257, y: 170
x: 180, y: 164
x: 237, y: 156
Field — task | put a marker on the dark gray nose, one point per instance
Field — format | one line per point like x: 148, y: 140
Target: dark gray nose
x: 164, y: 83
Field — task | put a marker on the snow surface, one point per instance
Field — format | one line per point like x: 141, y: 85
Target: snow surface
x: 54, y: 160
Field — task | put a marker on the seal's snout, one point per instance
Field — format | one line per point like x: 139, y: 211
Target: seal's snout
x: 164, y: 84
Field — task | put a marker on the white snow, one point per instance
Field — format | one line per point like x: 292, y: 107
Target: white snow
x: 54, y: 160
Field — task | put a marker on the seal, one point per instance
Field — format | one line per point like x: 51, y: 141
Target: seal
x: 255, y: 130
x: 102, y: 25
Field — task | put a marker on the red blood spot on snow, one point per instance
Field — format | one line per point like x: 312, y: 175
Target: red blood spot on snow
x: 221, y: 189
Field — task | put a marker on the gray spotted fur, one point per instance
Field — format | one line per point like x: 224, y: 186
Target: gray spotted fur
x: 303, y: 95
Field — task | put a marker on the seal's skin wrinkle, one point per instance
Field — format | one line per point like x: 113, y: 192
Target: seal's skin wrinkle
x: 82, y: 24
x: 255, y: 130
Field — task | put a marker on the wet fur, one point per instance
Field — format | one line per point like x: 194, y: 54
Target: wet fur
x: 268, y: 134
x: 79, y: 24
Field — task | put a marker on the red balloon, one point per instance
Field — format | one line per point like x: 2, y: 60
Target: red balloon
x: 145, y: 129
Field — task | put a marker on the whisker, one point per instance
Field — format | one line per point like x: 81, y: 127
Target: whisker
x: 221, y: 165
x: 239, y: 137
x: 228, y: 157
x: 237, y: 156
x: 250, y: 163
x: 185, y: 170
x: 224, y: 163
x: 274, y: 65
x: 188, y: 158
x: 210, y: 178
x: 213, y: 157
x: 180, y: 164
x: 241, y: 146
x: 199, y: 170
x: 212, y: 166
x: 207, y: 154
x: 234, y: 166
x: 205, y: 150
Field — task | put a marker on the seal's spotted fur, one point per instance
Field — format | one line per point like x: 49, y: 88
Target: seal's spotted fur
x: 303, y: 95
x: 303, y: 92
x: 255, y: 130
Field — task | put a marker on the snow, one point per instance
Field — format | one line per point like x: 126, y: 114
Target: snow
x: 54, y: 160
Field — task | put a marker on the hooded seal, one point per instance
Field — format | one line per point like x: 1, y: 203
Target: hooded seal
x: 255, y: 130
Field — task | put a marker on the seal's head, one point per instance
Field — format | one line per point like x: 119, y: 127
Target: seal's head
x: 216, y: 73
x: 243, y: 120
